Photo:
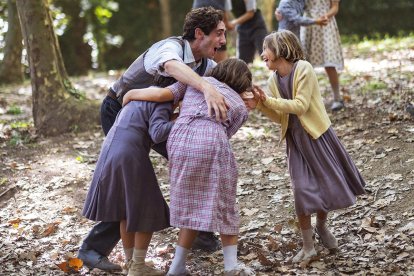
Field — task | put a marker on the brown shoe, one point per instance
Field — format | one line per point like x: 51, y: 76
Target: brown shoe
x: 141, y: 269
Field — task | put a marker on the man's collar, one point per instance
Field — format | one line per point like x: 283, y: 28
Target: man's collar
x: 188, y: 54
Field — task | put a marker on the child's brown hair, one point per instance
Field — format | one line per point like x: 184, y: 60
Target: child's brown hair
x: 284, y: 44
x: 235, y: 73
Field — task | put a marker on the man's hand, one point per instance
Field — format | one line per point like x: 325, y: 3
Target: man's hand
x: 215, y: 102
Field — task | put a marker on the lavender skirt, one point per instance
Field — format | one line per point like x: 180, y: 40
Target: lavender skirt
x: 323, y: 175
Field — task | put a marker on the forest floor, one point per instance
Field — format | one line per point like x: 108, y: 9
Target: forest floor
x: 43, y: 181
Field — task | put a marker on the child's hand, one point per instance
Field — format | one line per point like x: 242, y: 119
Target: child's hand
x: 278, y: 15
x: 231, y: 25
x: 322, y: 21
x: 259, y: 93
x: 126, y: 99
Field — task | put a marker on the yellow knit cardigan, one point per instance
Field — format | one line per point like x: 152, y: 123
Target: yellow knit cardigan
x: 307, y: 102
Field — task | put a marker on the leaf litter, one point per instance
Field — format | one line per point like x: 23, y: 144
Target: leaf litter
x: 44, y: 185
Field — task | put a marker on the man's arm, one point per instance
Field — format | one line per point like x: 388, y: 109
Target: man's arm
x: 184, y: 74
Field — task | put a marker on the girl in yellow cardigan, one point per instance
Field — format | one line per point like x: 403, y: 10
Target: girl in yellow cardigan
x: 323, y: 176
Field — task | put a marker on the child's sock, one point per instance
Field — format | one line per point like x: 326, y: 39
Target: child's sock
x: 308, y: 249
x: 139, y: 256
x: 178, y: 263
x: 328, y: 239
x: 128, y: 253
x: 230, y: 257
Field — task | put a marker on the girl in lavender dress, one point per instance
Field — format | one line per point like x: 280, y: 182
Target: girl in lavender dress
x: 203, y: 169
x: 324, y: 178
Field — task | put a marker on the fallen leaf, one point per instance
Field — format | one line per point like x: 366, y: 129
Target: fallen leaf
x: 75, y: 263
x: 51, y: 228
x: 263, y: 260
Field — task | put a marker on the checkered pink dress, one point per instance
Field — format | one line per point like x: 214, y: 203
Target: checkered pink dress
x: 203, y: 170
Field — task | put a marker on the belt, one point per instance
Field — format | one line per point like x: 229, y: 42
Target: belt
x: 111, y: 94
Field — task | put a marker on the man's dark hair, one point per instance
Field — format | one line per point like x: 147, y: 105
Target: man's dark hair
x: 206, y: 18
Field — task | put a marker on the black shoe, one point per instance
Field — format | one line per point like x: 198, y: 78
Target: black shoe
x: 206, y: 241
x: 93, y: 259
x: 337, y: 105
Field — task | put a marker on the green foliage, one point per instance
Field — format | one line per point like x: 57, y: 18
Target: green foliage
x: 374, y: 85
x: 384, y: 44
x: 20, y: 133
x: 14, y: 110
x: 19, y: 125
x: 73, y: 91
x: 138, y: 23
x: 80, y: 159
x: 374, y: 19
x: 3, y: 181
x: 102, y: 14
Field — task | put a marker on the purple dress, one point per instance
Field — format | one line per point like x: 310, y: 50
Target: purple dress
x: 124, y: 185
x: 203, y: 169
x: 323, y: 175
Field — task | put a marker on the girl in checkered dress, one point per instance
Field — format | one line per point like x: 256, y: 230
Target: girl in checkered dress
x: 203, y: 169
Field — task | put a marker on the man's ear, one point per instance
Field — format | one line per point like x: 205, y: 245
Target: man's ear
x: 198, y: 33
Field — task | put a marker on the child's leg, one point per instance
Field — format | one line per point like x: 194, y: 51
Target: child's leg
x: 127, y: 240
x: 142, y: 241
x: 229, y: 251
x: 308, y: 249
x: 231, y: 267
x: 328, y: 239
x: 185, y: 241
x: 334, y: 81
x: 138, y: 267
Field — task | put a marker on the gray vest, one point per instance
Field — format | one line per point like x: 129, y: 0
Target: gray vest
x: 135, y: 77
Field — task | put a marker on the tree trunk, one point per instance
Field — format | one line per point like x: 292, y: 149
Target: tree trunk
x: 55, y: 109
x: 76, y: 52
x: 268, y: 10
x: 165, y: 18
x: 11, y: 69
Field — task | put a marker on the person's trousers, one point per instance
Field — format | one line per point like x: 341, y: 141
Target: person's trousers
x: 103, y: 237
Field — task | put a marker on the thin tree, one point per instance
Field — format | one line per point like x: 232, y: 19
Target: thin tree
x: 11, y: 69
x: 57, y: 106
x: 165, y: 18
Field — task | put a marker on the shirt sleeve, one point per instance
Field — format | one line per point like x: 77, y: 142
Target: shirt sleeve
x: 238, y: 118
x: 178, y: 90
x: 250, y: 5
x: 273, y: 115
x: 291, y: 14
x: 157, y: 56
x: 159, y: 122
x: 227, y: 5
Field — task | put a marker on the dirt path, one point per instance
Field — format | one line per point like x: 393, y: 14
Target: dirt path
x: 43, y: 184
